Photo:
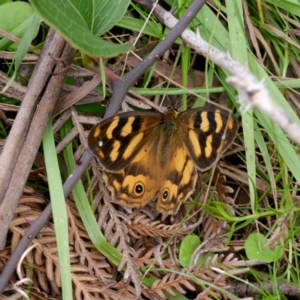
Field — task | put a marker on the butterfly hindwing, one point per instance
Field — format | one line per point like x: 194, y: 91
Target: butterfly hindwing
x: 135, y: 185
x: 206, y: 134
x: 178, y: 181
x: 117, y: 140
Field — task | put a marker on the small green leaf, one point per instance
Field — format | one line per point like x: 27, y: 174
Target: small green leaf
x: 81, y: 22
x: 22, y: 49
x: 15, y: 18
x: 151, y: 28
x: 188, y: 246
x: 4, y: 1
x: 256, y: 250
x: 13, y: 14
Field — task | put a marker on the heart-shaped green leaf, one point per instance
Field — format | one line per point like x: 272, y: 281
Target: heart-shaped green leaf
x: 188, y: 245
x: 256, y: 250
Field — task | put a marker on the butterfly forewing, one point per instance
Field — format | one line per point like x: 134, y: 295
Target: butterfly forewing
x: 117, y: 140
x: 206, y: 133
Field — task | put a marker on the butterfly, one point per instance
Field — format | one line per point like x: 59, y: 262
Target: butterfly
x: 148, y: 155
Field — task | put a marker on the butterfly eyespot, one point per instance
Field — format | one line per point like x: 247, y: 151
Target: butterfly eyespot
x: 100, y: 144
x: 139, y: 189
x: 165, y: 195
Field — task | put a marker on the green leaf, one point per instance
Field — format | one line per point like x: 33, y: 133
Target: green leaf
x: 238, y: 50
x: 264, y: 151
x: 151, y: 28
x: 291, y: 6
x: 59, y: 210
x: 13, y: 14
x: 81, y: 22
x: 188, y: 246
x: 4, y: 1
x: 256, y: 250
x: 24, y: 45
x: 15, y: 18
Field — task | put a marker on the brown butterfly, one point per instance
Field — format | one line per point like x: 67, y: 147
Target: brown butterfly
x: 148, y: 155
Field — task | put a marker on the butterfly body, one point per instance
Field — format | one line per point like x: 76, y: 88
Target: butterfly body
x: 147, y: 155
